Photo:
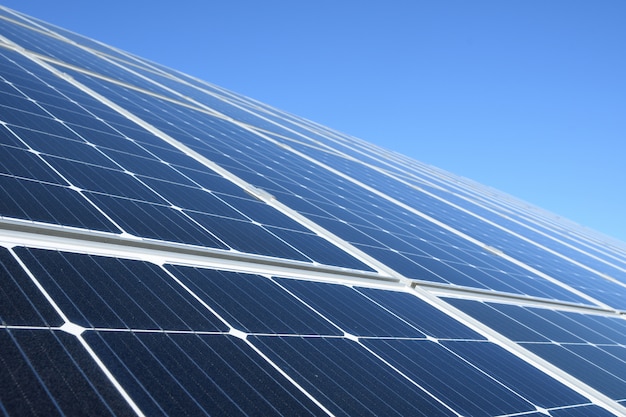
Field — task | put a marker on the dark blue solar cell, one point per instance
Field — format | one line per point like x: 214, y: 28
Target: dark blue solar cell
x: 591, y: 374
x: 213, y: 182
x: 109, y: 139
x: 20, y: 118
x: 496, y: 320
x: 192, y: 198
x: 263, y: 213
x: 188, y: 374
x: 22, y: 163
x: 346, y: 231
x: 535, y: 320
x: 72, y: 114
x: 30, y: 200
x: 147, y: 167
x: 8, y: 138
x: 575, y: 323
x: 582, y: 411
x: 65, y: 148
x: 247, y: 237
x: 349, y: 216
x: 349, y: 310
x: 616, y: 351
x: 401, y: 264
x: 420, y: 314
x: 12, y: 104
x: 319, y: 249
x: 347, y: 379
x: 50, y: 373
x: 523, y: 378
x: 445, y: 271
x: 386, y: 239
x: 6, y: 88
x: 96, y: 291
x: 252, y: 303
x: 609, y: 358
x: 536, y: 286
x: 21, y: 302
x: 103, y: 180
x: 457, y: 383
x: 45, y: 96
x: 300, y: 204
x: 155, y: 221
x: 605, y: 291
x: 44, y: 124
x: 167, y: 152
x: 484, y: 278
x: 613, y: 328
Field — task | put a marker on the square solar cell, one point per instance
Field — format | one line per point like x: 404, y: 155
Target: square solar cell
x: 189, y: 374
x: 347, y: 379
x: 21, y: 302
x: 349, y: 310
x: 155, y: 221
x: 455, y: 381
x: 252, y: 303
x: 103, y: 292
x: 25, y: 164
x: 247, y: 237
x: 32, y: 200
x: 49, y: 373
x: 515, y: 373
x: 420, y: 314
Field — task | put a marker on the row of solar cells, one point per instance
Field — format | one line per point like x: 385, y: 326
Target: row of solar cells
x: 162, y: 331
x: 144, y: 187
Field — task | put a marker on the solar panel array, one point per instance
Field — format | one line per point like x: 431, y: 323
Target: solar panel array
x: 170, y: 247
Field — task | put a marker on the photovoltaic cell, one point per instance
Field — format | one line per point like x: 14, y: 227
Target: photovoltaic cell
x: 48, y: 203
x: 583, y: 411
x: 104, y: 292
x: 450, y: 378
x: 350, y: 310
x: 253, y: 303
x: 247, y: 237
x: 67, y: 148
x: 418, y: 313
x: 155, y: 221
x: 21, y: 303
x: 49, y: 373
x: 347, y: 379
x: 189, y: 374
x: 526, y: 380
x: 583, y: 368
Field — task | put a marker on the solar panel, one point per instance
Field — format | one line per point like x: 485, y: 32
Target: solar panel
x: 168, y: 247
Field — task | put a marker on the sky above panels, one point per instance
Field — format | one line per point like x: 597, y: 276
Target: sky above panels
x: 526, y: 96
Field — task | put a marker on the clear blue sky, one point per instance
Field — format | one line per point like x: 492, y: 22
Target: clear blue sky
x: 527, y: 96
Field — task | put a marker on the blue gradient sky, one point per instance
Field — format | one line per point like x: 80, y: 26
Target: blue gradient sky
x: 526, y: 96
